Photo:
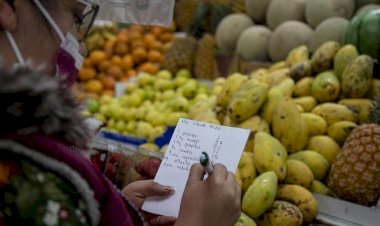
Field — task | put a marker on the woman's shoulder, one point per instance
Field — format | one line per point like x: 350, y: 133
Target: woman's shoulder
x: 39, y: 190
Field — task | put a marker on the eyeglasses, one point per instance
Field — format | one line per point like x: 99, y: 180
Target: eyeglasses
x: 86, y: 20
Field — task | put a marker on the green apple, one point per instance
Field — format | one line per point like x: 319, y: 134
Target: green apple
x: 165, y: 74
x: 143, y: 129
x: 155, y: 132
x: 134, y: 100
x: 172, y: 118
x: 190, y: 88
x: 201, y: 97
x: 168, y: 94
x: 163, y: 84
x: 103, y: 110
x: 204, y: 88
x: 129, y: 114
x: 216, y: 90
x: 111, y: 123
x: 120, y: 125
x: 140, y: 113
x: 92, y: 106
x: 100, y: 117
x: 86, y: 113
x: 219, y: 81
x: 180, y: 103
x: 145, y: 79
x: 131, y: 87
x: 105, y: 100
x: 185, y: 73
x: 131, y: 126
x: 180, y: 81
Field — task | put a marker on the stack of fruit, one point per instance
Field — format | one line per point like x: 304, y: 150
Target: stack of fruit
x: 150, y: 104
x: 118, y: 56
x: 300, y: 112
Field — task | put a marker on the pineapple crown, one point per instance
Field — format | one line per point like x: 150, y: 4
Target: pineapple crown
x: 374, y: 114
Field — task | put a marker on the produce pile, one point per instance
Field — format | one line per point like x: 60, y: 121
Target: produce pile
x: 301, y: 112
x: 118, y: 54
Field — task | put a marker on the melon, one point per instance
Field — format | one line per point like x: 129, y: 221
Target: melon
x: 360, y: 3
x: 367, y: 7
x: 229, y: 29
x: 280, y: 11
x: 257, y: 9
x: 318, y: 10
x: 363, y: 31
x: 287, y: 36
x: 331, y: 29
x: 253, y: 43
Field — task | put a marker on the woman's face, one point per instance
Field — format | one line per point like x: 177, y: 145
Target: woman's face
x: 37, y: 40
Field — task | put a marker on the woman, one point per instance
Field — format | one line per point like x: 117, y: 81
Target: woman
x: 44, y: 177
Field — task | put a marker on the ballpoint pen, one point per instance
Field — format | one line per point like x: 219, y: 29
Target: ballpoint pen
x: 206, y: 163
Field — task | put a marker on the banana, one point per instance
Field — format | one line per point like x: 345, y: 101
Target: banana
x: 362, y: 105
x: 286, y: 86
x: 323, y: 57
x: 245, y: 220
x: 303, y: 87
x: 301, y: 70
x: 325, y: 146
x: 299, y: 173
x: 281, y: 213
x: 344, y: 55
x: 270, y: 155
x: 260, y: 75
x: 339, y: 131
x: 333, y: 112
x: 247, y: 170
x: 301, y: 197
x: 230, y: 87
x: 288, y: 126
x: 319, y: 187
x: 277, y: 66
x: 274, y: 97
x: 275, y: 77
x: 260, y: 194
x: 307, y: 102
x: 247, y: 100
x: 296, y: 55
x: 315, y: 161
x: 357, y: 77
x: 315, y: 123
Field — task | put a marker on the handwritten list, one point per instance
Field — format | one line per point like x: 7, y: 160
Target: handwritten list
x: 223, y: 144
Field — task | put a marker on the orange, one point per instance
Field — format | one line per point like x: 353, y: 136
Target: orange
x: 135, y: 35
x: 139, y: 55
x: 104, y: 65
x: 94, y: 86
x: 127, y: 62
x: 116, y: 60
x: 156, y: 31
x: 108, y: 47
x: 167, y: 37
x: 87, y: 63
x: 137, y: 43
x: 155, y: 56
x: 115, y: 71
x: 149, y: 67
x: 108, y: 92
x: 86, y: 73
x: 121, y: 48
x: 97, y: 56
x: 131, y: 73
x: 157, y: 45
x: 136, y: 27
x: 122, y: 36
x: 149, y: 39
x: 108, y: 82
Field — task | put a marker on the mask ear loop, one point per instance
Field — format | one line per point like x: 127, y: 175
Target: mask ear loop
x: 15, y: 48
x: 49, y: 19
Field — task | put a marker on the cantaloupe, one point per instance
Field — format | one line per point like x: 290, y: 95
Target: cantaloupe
x: 331, y: 29
x: 318, y: 10
x: 367, y: 7
x: 257, y: 9
x: 360, y: 3
x: 229, y: 29
x: 287, y: 36
x: 280, y: 11
x: 253, y: 43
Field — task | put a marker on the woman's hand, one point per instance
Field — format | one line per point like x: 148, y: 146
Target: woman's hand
x: 212, y: 202
x: 138, y: 191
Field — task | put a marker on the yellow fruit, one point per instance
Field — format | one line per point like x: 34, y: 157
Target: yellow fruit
x: 289, y: 127
x: 315, y: 161
x: 260, y: 194
x: 274, y: 97
x: 277, y: 66
x: 86, y: 74
x: 244, y: 220
x: 281, y: 213
x: 320, y: 188
x: 307, y: 102
x: 361, y: 105
x: 301, y: 197
x: 303, y: 87
x: 315, y: 124
x: 344, y: 55
x: 325, y: 146
x: 94, y: 86
x: 277, y: 76
x: 286, y: 86
x: 339, y: 131
x: 301, y: 70
x: 297, y: 55
x: 299, y: 173
x: 260, y: 75
x: 247, y: 170
x: 255, y: 124
x: 230, y: 87
x: 333, y: 112
x: 323, y: 57
x: 270, y: 155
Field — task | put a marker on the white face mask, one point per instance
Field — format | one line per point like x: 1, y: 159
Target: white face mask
x: 68, y: 59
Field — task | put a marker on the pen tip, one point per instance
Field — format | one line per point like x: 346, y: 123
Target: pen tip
x: 204, y: 159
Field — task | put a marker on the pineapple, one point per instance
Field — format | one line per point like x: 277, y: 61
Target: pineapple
x: 355, y: 173
x: 205, y: 63
x: 183, y: 13
x: 181, y: 54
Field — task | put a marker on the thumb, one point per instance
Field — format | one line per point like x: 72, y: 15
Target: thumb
x: 196, y: 173
x: 155, y: 189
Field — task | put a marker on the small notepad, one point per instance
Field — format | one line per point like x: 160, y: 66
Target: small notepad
x: 223, y: 145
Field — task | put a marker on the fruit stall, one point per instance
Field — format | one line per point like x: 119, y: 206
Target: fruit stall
x: 302, y: 75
